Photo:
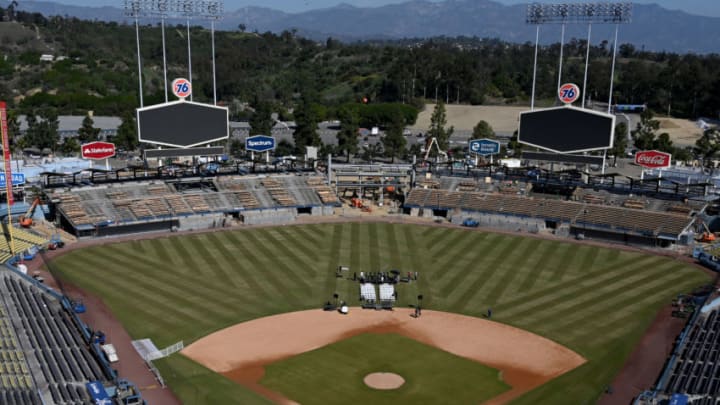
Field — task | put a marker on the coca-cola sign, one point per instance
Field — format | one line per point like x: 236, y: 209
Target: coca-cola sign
x: 652, y: 159
x: 97, y: 150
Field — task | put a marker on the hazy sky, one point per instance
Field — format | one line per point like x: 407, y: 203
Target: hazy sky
x: 701, y: 7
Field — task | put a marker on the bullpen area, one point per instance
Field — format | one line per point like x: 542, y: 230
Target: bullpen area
x: 593, y: 303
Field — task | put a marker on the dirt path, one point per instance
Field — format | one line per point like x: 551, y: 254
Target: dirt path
x: 526, y: 360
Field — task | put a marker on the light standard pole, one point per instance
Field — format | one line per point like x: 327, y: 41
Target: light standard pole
x: 575, y: 13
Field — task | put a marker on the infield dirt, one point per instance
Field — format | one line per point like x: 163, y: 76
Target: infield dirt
x: 525, y: 360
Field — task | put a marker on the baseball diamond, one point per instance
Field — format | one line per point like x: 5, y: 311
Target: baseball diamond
x: 591, y: 302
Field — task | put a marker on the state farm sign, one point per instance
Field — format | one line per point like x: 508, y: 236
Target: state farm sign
x: 97, y: 150
x: 652, y: 159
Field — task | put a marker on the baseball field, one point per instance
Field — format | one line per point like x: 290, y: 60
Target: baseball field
x: 595, y: 301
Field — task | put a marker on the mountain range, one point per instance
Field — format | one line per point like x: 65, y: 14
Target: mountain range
x: 652, y: 28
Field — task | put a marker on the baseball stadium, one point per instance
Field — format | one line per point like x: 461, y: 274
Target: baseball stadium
x: 198, y: 279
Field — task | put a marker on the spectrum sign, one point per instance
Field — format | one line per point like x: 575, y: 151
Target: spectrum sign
x: 260, y: 143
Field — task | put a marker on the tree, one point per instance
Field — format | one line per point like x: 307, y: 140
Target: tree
x: 663, y: 143
x: 644, y: 133
x: 483, y: 130
x: 236, y: 147
x: 394, y: 141
x: 370, y: 152
x: 261, y: 122
x: 707, y: 147
x: 242, y: 27
x: 43, y: 133
x: 437, y: 130
x: 126, y: 137
x: 88, y: 133
x: 619, y: 141
x: 515, y: 146
x: 70, y: 146
x: 306, y: 131
x: 347, y: 137
x: 284, y: 148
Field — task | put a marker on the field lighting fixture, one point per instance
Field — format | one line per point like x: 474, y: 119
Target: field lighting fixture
x: 577, y: 13
x: 211, y: 10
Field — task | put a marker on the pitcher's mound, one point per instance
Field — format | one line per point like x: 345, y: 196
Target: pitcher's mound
x: 384, y: 381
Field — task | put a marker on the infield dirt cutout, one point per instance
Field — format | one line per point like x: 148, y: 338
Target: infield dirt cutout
x: 240, y: 352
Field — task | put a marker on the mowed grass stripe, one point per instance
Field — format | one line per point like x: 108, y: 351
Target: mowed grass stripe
x: 222, y: 267
x: 578, y: 288
x: 269, y: 278
x: 417, y: 258
x: 333, y: 259
x: 240, y: 270
x: 577, y: 305
x: 433, y: 235
x: 374, y: 247
x: 568, y: 260
x: 543, y: 264
x: 480, y: 278
x: 553, y: 288
x: 303, y: 265
x: 162, y: 322
x: 203, y: 291
x: 520, y: 264
x: 288, y: 273
x: 201, y: 263
x: 461, y: 272
x: 452, y: 262
x: 392, y: 245
x: 157, y: 300
x: 619, y: 306
x: 499, y: 268
x: 161, y: 250
x: 247, y: 295
x: 618, y: 327
x: 613, y: 314
x: 293, y: 237
x: 314, y: 240
x: 489, y: 250
x: 452, y: 239
x: 355, y: 246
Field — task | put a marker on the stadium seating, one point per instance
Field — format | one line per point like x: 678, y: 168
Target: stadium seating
x: 696, y: 370
x: 590, y: 213
x: 51, y: 347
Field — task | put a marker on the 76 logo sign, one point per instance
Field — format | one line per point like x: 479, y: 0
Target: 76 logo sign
x: 181, y: 88
x: 568, y: 93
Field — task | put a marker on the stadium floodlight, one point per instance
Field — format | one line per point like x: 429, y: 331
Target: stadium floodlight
x: 212, y: 10
x: 593, y: 13
x: 574, y: 13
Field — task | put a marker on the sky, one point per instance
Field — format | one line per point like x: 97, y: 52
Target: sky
x: 699, y: 7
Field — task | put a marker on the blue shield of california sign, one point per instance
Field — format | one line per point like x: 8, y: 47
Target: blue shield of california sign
x: 260, y: 143
x: 484, y: 147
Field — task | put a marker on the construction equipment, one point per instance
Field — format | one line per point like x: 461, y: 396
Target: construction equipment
x: 440, y: 153
x: 26, y: 219
x: 707, y: 236
x: 357, y: 203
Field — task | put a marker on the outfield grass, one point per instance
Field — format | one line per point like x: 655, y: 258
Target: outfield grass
x: 596, y: 301
x: 334, y: 374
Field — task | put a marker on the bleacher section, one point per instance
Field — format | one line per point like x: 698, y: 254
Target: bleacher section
x: 48, y: 347
x: 16, y: 383
x: 696, y: 370
x: 23, y: 241
x: 128, y: 203
x: 588, y: 213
